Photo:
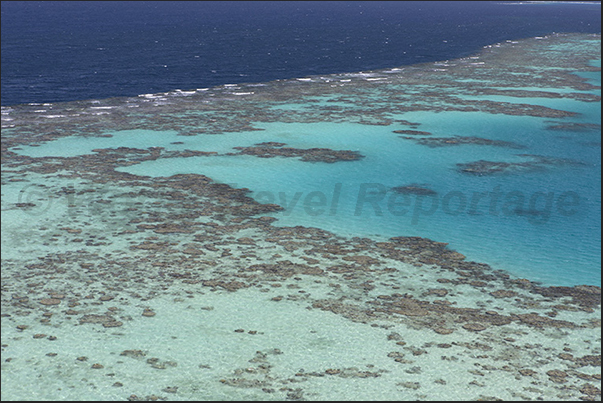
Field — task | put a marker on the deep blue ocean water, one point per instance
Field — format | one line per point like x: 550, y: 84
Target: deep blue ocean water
x: 62, y: 50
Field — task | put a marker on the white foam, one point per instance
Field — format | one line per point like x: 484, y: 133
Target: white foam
x: 360, y: 74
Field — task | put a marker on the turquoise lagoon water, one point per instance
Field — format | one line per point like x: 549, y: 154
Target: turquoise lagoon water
x: 560, y: 246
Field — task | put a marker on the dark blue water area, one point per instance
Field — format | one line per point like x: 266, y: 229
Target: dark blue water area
x: 72, y: 50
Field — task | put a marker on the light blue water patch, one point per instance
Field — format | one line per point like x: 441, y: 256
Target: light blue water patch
x: 594, y: 77
x: 552, y: 246
x: 80, y: 145
x: 294, y: 134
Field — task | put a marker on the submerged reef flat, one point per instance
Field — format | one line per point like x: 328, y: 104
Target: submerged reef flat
x: 537, y: 163
x: 119, y: 286
x: 460, y: 140
x: 413, y: 132
x: 273, y: 149
x: 573, y: 126
x: 414, y: 189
